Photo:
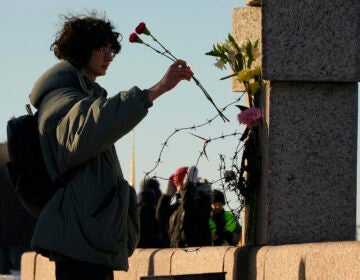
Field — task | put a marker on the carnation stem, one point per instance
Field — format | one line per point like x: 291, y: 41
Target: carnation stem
x: 209, y: 98
x: 165, y: 49
x: 156, y: 50
x: 173, y: 58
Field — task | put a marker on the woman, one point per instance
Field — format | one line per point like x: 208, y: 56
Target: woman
x: 90, y: 227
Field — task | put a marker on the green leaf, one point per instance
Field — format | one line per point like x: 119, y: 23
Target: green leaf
x: 233, y: 42
x: 239, y: 62
x: 216, y: 52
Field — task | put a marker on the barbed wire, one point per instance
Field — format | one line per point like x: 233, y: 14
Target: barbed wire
x: 237, y: 202
x: 236, y: 206
x: 192, y: 127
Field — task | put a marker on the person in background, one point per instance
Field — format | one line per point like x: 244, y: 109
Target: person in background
x: 171, y: 188
x: 16, y: 223
x: 91, y: 226
x: 164, y: 210
x: 225, y: 229
x: 189, y: 224
x: 149, y: 225
x: 153, y: 185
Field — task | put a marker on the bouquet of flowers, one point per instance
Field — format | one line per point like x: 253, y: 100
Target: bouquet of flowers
x: 245, y: 180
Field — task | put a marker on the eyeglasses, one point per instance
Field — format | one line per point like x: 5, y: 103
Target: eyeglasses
x: 106, y: 51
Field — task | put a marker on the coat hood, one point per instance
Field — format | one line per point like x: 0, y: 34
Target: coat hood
x: 62, y: 75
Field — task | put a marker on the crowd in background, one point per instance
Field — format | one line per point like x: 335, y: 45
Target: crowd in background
x: 188, y: 214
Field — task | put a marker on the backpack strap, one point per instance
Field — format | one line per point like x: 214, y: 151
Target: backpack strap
x: 64, y: 178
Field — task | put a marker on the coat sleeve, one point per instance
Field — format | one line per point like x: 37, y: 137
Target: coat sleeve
x: 91, y: 125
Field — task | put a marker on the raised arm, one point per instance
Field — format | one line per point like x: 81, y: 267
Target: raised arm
x: 177, y: 72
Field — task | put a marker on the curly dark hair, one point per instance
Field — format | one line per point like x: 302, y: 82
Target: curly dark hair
x: 81, y: 35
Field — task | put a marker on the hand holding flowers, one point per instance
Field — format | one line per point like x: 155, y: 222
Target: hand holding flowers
x: 142, y: 29
x: 177, y: 71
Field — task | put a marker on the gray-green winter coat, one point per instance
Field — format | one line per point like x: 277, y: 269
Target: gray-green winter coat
x: 94, y: 219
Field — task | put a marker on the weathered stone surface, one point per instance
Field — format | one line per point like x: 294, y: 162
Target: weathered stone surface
x: 44, y: 268
x: 246, y: 25
x: 326, y: 260
x: 311, y: 40
x: 141, y: 263
x: 174, y: 261
x: 334, y: 261
x: 198, y: 260
x: 309, y: 184
x: 28, y: 266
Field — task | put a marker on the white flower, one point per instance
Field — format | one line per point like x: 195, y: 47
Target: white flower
x: 255, y: 52
x: 229, y: 47
x: 222, y: 44
x: 220, y: 64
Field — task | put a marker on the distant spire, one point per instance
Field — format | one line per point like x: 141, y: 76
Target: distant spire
x: 132, y: 159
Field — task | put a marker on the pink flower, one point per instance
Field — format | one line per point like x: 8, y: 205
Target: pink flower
x: 250, y: 117
x: 141, y: 28
x: 134, y: 38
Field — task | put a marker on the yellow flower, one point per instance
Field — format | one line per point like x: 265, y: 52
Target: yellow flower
x: 222, y: 44
x: 254, y: 87
x: 257, y: 71
x: 245, y: 75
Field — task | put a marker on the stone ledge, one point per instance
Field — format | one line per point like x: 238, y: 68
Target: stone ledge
x: 328, y: 260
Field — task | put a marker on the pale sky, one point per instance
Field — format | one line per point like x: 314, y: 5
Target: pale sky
x: 188, y: 28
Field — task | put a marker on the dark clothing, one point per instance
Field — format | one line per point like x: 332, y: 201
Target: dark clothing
x: 149, y: 225
x: 152, y: 185
x: 16, y: 225
x: 74, y: 270
x: 164, y: 210
x: 10, y: 258
x: 189, y: 224
x: 95, y: 217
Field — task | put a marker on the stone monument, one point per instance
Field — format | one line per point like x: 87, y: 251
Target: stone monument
x: 309, y: 143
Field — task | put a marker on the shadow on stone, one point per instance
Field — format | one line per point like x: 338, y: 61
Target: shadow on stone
x: 201, y: 276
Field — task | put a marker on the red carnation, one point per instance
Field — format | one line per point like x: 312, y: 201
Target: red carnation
x: 141, y: 28
x: 134, y: 38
